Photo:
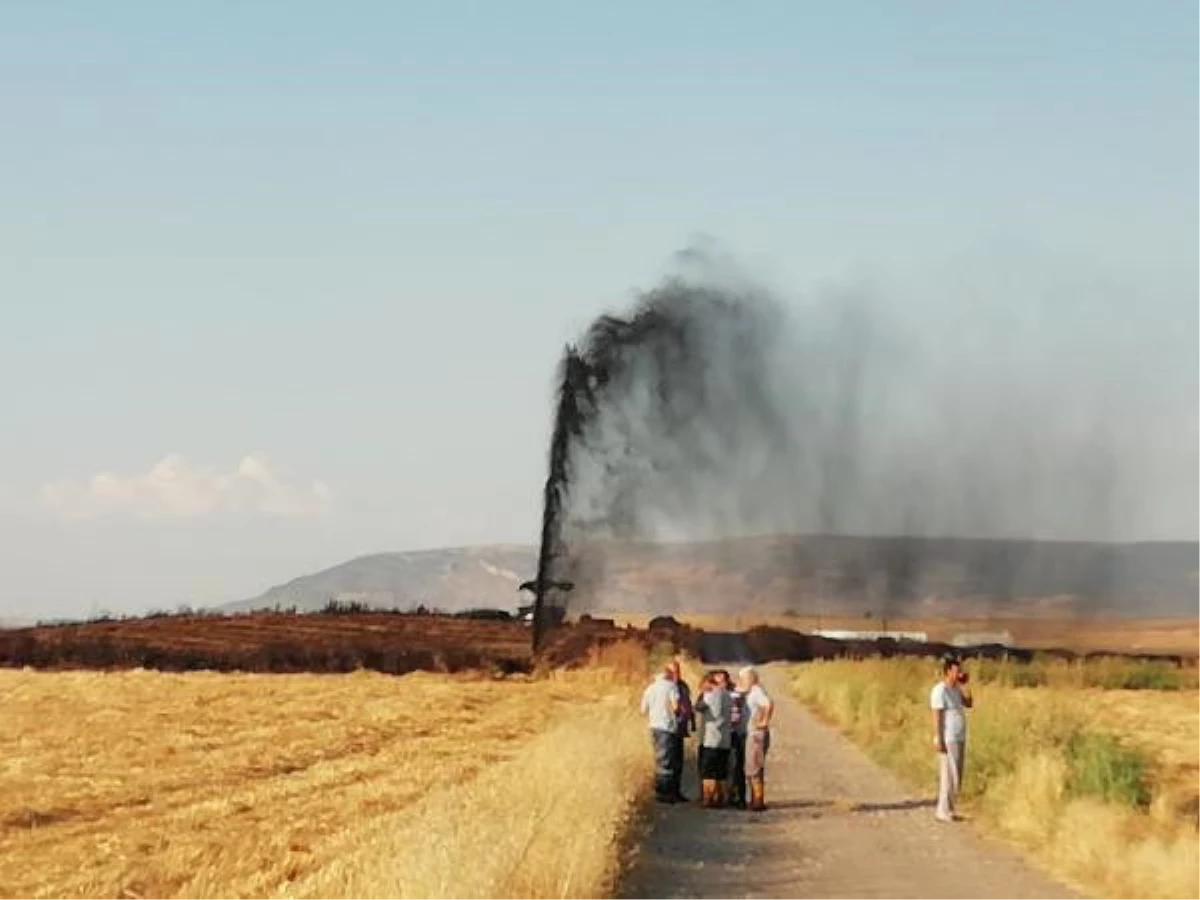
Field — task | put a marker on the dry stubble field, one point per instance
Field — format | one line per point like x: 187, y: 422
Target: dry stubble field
x: 139, y: 784
x: 136, y: 783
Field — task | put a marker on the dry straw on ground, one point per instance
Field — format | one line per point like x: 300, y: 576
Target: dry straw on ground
x: 147, y: 784
x: 1100, y: 786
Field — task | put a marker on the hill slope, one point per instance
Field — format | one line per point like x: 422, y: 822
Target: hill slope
x: 892, y: 576
x: 450, y: 579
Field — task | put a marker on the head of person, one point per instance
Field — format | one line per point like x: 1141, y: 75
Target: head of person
x: 672, y: 670
x: 722, y: 678
x: 951, y: 669
x: 747, y: 678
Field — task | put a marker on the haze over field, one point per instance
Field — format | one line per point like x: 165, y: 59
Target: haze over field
x: 712, y: 408
x: 812, y: 575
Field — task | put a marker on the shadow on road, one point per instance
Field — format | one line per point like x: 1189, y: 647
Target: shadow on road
x: 781, y: 805
x: 902, y: 806
x: 849, y: 806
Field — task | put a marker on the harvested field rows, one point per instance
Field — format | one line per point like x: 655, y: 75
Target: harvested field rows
x: 202, y: 784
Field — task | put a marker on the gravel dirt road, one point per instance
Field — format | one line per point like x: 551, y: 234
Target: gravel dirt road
x: 836, y: 826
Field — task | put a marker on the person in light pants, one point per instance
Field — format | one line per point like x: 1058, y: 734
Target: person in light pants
x: 950, y: 699
x: 759, y: 710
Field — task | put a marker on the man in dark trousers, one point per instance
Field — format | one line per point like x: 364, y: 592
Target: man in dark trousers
x: 737, y: 747
x: 685, y: 725
x: 660, y: 706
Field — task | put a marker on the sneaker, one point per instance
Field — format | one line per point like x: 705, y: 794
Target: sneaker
x: 944, y: 817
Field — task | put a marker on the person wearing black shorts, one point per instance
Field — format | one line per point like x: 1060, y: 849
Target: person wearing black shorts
x: 713, y: 704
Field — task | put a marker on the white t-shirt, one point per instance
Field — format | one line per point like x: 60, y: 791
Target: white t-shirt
x: 954, y: 721
x: 756, y: 705
x: 657, y: 702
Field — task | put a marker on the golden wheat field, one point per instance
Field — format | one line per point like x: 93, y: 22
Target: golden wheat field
x: 140, y: 784
x: 1165, y: 726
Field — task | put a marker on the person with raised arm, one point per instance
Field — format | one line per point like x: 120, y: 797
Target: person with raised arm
x: 949, y: 700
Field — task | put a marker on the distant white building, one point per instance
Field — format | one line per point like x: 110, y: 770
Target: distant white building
x: 979, y: 638
x: 838, y: 634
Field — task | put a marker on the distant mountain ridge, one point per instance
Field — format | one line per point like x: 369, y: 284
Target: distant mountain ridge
x: 449, y: 579
x: 889, y: 576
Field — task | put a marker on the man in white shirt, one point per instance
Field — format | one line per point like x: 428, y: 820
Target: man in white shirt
x: 759, y: 710
x: 950, y: 699
x: 660, y: 706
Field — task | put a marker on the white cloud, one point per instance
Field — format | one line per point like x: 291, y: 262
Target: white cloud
x: 176, y: 489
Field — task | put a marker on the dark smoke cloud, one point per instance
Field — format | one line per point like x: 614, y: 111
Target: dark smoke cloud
x: 714, y: 409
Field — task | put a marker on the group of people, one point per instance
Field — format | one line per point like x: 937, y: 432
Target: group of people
x: 732, y: 720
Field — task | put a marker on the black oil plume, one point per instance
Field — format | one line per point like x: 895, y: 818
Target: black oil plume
x: 714, y: 411
x: 633, y: 398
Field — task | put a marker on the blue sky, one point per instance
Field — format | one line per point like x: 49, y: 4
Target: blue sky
x: 322, y: 257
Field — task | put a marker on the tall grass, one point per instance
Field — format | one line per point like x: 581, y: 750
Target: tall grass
x: 1105, y: 672
x: 1091, y: 804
